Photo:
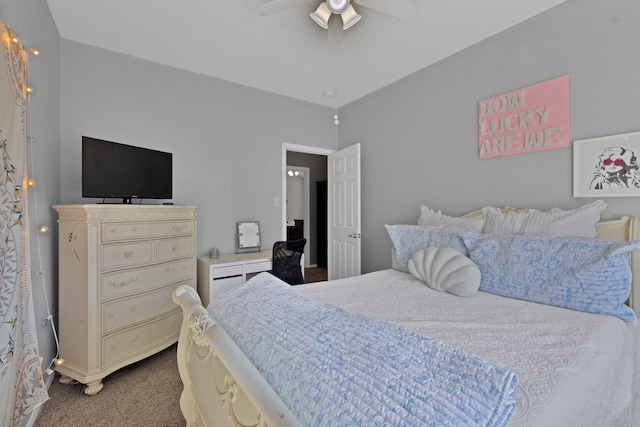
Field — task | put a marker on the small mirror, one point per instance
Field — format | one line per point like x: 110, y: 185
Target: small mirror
x: 248, y: 236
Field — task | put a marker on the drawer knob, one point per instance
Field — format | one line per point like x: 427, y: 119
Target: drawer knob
x: 133, y: 308
x: 128, y: 254
x: 113, y: 346
x: 179, y: 227
x: 111, y: 314
x: 134, y: 338
x: 175, y: 248
x: 134, y: 229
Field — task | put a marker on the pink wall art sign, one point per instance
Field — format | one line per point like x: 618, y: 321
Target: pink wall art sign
x: 530, y: 119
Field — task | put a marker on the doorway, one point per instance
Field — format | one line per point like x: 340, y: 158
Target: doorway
x: 342, y: 169
x: 313, y: 162
x: 298, y: 207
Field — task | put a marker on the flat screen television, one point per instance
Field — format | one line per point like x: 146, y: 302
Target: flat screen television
x: 119, y: 171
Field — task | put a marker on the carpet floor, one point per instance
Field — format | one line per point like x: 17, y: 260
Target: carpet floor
x: 146, y: 393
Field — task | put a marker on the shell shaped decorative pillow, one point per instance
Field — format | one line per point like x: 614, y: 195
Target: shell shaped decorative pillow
x: 446, y: 269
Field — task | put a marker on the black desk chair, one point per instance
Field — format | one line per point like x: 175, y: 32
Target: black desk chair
x: 286, y: 261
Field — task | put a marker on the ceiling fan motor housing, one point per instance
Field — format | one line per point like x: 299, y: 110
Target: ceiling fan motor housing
x: 338, y: 6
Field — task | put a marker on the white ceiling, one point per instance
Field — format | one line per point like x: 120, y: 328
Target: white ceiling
x: 286, y: 52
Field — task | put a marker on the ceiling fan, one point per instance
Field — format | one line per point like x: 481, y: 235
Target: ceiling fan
x: 344, y: 8
x: 337, y: 7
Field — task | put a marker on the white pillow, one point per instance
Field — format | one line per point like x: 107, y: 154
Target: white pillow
x: 429, y: 217
x: 576, y: 222
x: 447, y: 270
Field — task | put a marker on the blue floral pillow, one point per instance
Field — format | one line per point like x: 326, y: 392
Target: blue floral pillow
x: 408, y: 239
x: 579, y: 273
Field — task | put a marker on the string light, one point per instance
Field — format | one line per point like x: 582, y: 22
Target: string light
x: 56, y: 361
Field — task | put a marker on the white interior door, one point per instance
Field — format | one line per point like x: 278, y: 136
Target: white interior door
x: 343, y: 181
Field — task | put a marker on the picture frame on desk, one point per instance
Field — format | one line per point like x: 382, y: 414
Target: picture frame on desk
x: 247, y: 236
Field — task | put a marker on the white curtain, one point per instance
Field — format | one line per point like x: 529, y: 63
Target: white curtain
x: 21, y: 383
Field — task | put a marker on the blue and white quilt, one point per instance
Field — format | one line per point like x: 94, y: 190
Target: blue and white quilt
x: 333, y: 367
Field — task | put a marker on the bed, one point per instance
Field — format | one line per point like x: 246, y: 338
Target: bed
x: 568, y: 366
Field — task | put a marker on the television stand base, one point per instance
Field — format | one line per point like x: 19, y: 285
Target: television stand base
x: 116, y: 201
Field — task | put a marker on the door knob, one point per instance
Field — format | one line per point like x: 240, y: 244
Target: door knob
x: 354, y: 235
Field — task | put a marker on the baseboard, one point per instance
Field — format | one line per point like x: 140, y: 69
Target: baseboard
x: 32, y: 416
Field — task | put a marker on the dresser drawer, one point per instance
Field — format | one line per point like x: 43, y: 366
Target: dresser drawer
x: 136, y: 309
x: 125, y: 344
x: 144, y: 230
x: 126, y: 254
x: 179, y: 247
x: 126, y: 282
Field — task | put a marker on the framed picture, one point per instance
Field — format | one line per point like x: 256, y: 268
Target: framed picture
x: 248, y: 236
x: 607, y: 166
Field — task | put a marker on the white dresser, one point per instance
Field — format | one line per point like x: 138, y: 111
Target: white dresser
x: 118, y: 266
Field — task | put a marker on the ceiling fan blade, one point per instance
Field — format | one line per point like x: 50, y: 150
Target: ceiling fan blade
x: 399, y: 8
x: 268, y: 7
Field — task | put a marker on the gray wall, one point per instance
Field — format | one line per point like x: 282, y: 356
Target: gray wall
x: 226, y: 139
x: 419, y: 135
x: 32, y: 22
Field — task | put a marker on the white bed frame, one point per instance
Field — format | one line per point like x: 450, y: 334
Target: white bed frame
x: 222, y: 387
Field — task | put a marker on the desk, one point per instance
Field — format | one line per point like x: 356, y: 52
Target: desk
x: 216, y: 275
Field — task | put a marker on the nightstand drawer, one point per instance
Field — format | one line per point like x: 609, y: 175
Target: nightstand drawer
x: 179, y: 247
x: 145, y: 230
x: 126, y: 254
x: 125, y: 344
x: 127, y: 311
x: 131, y: 281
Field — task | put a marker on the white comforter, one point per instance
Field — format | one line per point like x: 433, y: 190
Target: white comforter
x: 574, y: 368
x: 334, y: 367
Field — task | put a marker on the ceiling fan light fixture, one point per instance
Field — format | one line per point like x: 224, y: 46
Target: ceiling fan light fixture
x: 321, y: 15
x: 338, y: 6
x: 349, y: 17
